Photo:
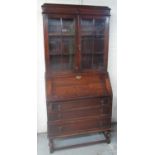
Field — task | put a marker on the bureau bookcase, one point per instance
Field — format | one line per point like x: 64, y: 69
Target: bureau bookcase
x: 78, y: 89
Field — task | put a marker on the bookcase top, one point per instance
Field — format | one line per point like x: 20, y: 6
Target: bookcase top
x: 75, y: 9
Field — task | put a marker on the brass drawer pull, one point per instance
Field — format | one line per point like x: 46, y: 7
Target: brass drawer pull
x: 78, y: 77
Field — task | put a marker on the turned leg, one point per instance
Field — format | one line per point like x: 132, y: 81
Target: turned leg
x: 107, y: 136
x: 51, y: 146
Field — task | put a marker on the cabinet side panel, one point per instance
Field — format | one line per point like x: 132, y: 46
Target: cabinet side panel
x: 45, y: 24
x: 106, y: 43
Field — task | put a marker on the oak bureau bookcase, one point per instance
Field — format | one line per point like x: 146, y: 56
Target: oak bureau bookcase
x: 78, y: 89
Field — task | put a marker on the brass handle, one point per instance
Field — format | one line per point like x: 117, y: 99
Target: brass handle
x: 78, y: 77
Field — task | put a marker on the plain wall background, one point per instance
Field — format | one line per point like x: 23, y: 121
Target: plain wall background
x: 112, y: 65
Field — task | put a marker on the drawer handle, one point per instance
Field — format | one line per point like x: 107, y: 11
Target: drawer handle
x: 78, y: 77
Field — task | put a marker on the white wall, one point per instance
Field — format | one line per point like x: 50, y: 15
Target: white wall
x: 41, y: 108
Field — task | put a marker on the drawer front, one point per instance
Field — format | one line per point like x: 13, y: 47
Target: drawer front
x: 86, y: 112
x: 77, y: 104
x: 78, y: 126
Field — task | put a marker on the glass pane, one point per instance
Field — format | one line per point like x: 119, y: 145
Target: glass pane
x: 87, y: 27
x: 68, y: 45
x: 61, y: 43
x: 55, y: 45
x: 54, y: 25
x: 99, y: 26
x: 86, y: 61
x: 68, y: 26
x: 98, y: 44
x: 67, y: 62
x: 55, y: 61
x: 98, y: 52
x: 68, y: 52
x: 92, y: 43
x: 98, y: 61
x: 87, y: 44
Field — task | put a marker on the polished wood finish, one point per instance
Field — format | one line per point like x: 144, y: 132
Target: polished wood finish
x: 78, y: 89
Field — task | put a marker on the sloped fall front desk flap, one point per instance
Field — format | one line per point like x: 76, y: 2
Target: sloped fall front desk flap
x: 75, y: 86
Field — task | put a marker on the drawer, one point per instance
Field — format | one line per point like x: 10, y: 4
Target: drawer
x: 85, y: 112
x: 79, y: 126
x: 77, y: 104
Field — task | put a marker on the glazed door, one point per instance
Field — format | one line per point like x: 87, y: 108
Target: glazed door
x: 92, y: 30
x: 61, y: 39
x: 77, y: 43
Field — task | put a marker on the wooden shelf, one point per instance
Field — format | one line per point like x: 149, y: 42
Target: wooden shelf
x: 59, y: 54
x: 61, y: 34
x: 94, y: 53
x: 71, y: 35
x: 93, y: 35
